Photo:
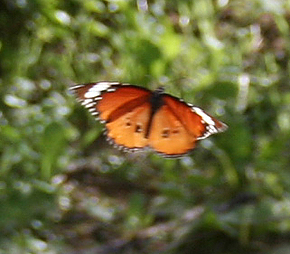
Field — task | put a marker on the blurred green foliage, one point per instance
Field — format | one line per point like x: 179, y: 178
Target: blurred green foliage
x: 63, y: 189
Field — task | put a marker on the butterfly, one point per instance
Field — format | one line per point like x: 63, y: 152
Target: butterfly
x: 137, y: 118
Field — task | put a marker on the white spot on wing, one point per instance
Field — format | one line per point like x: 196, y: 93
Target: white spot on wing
x: 90, y: 105
x: 97, y: 89
x: 203, y: 115
x: 92, y: 94
x: 87, y: 101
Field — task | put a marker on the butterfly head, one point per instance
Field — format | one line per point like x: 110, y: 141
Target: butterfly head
x: 159, y: 90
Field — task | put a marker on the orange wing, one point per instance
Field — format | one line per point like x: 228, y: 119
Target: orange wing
x: 121, y: 101
x: 125, y: 110
x: 110, y: 100
x: 129, y: 130
x: 194, y: 119
x: 177, y: 126
x: 168, y: 135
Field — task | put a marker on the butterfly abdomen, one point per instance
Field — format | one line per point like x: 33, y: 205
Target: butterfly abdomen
x: 156, y: 102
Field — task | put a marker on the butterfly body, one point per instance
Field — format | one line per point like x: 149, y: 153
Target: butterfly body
x: 137, y: 118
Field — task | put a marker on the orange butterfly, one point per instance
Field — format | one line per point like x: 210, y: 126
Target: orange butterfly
x: 137, y: 118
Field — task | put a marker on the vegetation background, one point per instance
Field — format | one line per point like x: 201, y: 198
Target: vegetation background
x: 63, y: 189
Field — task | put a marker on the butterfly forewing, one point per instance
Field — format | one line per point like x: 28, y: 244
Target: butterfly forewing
x: 90, y: 94
x: 81, y: 90
x: 194, y: 119
x: 124, y: 99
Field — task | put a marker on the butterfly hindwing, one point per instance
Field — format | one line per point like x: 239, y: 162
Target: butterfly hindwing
x: 168, y: 135
x: 129, y: 130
